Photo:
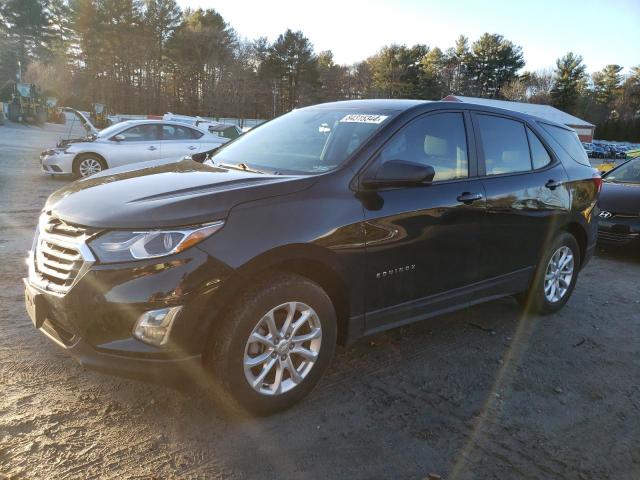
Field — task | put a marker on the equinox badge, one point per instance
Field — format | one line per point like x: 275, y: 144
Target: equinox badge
x: 394, y: 271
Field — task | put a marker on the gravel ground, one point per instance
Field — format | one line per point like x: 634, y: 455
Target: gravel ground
x: 483, y: 393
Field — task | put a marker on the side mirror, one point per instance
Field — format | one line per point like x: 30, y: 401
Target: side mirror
x: 400, y: 173
x: 119, y: 137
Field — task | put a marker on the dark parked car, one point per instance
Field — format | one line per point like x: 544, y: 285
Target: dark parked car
x: 620, y: 153
x: 620, y: 205
x: 614, y: 152
x: 226, y: 130
x: 324, y: 225
x: 598, y: 152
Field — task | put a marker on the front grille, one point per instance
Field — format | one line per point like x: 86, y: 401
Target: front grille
x: 622, y: 215
x: 611, y: 237
x: 60, y: 253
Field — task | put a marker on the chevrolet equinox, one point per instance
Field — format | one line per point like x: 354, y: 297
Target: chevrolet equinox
x: 321, y: 226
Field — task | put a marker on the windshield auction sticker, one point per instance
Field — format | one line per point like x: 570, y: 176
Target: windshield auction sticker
x: 362, y: 118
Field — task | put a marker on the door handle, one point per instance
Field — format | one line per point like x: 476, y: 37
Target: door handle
x: 152, y: 148
x: 468, y: 198
x: 552, y: 184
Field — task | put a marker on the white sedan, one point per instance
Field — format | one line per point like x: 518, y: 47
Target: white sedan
x: 128, y: 142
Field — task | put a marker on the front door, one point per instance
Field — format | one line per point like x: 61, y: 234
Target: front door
x: 422, y: 242
x: 140, y: 143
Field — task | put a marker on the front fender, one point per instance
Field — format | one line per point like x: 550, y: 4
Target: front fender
x: 317, y: 232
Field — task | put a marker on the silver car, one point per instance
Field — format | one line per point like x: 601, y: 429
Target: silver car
x: 128, y: 142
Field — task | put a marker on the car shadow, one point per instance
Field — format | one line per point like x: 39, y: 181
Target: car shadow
x: 424, y: 391
x: 629, y: 253
x: 384, y: 370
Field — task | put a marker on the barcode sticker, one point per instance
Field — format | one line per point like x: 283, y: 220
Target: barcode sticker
x: 362, y: 118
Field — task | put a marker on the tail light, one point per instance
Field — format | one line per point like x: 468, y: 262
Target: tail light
x: 597, y: 181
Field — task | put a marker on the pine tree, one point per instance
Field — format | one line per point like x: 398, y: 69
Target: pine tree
x: 459, y: 60
x: 606, y: 83
x: 26, y: 25
x: 397, y: 71
x: 293, y: 67
x: 494, y: 61
x: 569, y: 80
x: 434, y: 82
x: 333, y: 78
x: 161, y: 19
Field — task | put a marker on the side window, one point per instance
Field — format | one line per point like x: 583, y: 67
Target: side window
x: 539, y: 155
x: 438, y: 140
x: 178, y: 132
x: 195, y: 133
x: 141, y: 133
x: 505, y: 145
x: 569, y: 141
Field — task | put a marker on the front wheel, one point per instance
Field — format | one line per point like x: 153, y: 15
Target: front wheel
x: 272, y: 347
x: 555, y: 276
x: 87, y: 165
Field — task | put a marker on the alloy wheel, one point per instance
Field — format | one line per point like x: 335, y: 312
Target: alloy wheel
x: 89, y: 166
x: 558, y: 274
x: 282, y: 348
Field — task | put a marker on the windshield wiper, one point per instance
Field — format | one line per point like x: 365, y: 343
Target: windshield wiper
x: 243, y: 167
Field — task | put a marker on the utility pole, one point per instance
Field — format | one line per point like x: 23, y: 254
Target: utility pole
x: 274, y: 91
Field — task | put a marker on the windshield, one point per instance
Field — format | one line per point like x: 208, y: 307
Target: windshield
x: 626, y: 173
x: 307, y: 141
x: 111, y: 130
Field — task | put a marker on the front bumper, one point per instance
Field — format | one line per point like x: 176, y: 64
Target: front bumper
x: 57, y: 163
x: 619, y: 230
x: 154, y: 369
x: 93, y: 321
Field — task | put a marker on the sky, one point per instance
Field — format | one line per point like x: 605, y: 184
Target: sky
x: 603, y: 32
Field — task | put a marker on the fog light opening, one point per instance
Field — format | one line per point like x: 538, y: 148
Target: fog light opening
x: 153, y: 327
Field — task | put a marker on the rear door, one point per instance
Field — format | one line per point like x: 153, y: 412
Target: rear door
x: 180, y: 140
x: 527, y: 197
x: 141, y: 143
x: 423, y: 241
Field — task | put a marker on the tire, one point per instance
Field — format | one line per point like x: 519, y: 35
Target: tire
x: 87, y: 160
x: 539, y: 299
x: 229, y: 349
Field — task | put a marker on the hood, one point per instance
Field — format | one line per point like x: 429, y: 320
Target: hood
x: 621, y: 198
x: 177, y: 194
x: 86, y: 123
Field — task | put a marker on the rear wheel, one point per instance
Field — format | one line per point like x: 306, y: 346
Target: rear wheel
x: 555, y: 277
x: 274, y: 344
x: 87, y: 165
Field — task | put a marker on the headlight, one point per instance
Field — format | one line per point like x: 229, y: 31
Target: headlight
x: 53, y: 151
x: 123, y: 245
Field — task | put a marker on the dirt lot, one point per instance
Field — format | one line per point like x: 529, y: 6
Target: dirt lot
x: 484, y: 393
